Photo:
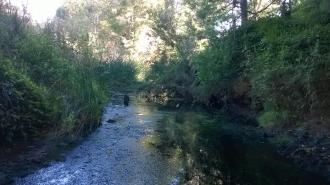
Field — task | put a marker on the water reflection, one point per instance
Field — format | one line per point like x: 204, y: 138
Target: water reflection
x: 218, y: 151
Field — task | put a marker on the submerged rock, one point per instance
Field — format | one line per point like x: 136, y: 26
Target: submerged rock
x: 111, y: 121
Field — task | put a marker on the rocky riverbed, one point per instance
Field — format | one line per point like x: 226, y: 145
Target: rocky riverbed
x: 113, y: 154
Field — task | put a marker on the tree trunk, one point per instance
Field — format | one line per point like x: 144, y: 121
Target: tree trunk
x: 244, y: 11
x: 290, y: 6
x: 233, y: 14
x: 286, y: 8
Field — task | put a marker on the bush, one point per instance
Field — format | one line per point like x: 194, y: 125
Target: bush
x: 219, y: 65
x: 23, y: 105
x: 290, y: 67
x: 171, y: 79
x: 118, y: 74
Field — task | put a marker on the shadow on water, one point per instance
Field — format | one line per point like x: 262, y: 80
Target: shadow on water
x: 218, y: 151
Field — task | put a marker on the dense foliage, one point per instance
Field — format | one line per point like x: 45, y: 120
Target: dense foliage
x: 277, y: 67
x: 284, y: 61
x: 46, y: 84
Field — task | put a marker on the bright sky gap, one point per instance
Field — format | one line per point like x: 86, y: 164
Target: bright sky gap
x: 40, y: 10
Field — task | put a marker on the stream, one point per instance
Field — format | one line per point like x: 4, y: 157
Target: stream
x: 144, y: 144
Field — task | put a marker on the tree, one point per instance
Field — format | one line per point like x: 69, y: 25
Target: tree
x: 244, y: 11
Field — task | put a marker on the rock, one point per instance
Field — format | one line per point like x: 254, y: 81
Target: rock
x: 126, y: 100
x: 111, y: 121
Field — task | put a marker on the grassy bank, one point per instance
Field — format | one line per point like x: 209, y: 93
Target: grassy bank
x: 48, y: 85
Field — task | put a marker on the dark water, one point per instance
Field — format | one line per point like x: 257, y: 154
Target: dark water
x: 151, y: 145
x: 217, y: 150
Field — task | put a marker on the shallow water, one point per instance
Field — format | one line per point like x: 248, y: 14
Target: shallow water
x: 113, y: 154
x: 152, y: 145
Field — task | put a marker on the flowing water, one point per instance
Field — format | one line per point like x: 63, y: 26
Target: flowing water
x: 145, y: 144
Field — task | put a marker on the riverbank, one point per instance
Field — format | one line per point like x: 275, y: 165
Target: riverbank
x: 304, y: 146
x: 23, y: 158
x: 306, y: 143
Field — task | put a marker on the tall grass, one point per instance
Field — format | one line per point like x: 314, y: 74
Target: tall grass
x: 46, y: 84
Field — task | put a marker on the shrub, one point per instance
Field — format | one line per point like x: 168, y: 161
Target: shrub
x: 23, y: 105
x: 290, y: 67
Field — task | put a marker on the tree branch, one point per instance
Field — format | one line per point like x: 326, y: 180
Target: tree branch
x: 265, y: 8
